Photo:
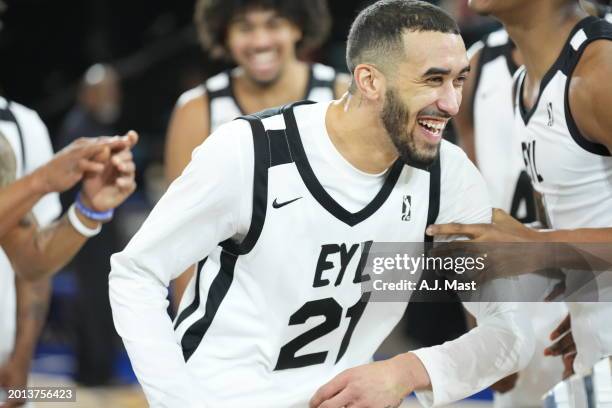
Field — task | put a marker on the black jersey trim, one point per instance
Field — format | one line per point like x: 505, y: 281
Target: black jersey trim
x: 7, y: 115
x: 279, y: 147
x: 486, y: 55
x: 216, y: 293
x: 195, y: 304
x: 558, y: 65
x: 318, y: 192
x: 435, y: 175
x: 592, y: 35
x: 260, y: 188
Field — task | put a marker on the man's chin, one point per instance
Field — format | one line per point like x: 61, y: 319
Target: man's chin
x: 264, y: 81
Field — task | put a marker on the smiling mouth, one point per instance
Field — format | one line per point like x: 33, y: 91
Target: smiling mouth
x: 433, y: 128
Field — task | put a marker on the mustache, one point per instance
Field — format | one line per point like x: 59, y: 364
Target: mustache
x: 434, y: 113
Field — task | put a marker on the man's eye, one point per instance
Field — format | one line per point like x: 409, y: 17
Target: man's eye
x: 435, y: 80
x: 460, y: 80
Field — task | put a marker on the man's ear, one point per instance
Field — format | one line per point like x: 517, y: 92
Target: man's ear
x: 370, y: 82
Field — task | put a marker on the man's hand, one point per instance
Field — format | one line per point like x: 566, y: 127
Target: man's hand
x: 107, y: 189
x: 379, y: 384
x: 68, y: 166
x: 564, y: 345
x: 13, y: 375
x: 505, y: 384
x: 503, y: 228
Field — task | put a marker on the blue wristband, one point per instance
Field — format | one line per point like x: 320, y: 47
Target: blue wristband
x: 91, y: 214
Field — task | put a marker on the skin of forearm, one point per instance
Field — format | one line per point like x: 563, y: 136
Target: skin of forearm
x: 57, y: 244
x: 36, y: 252
x: 16, y: 200
x: 32, y: 306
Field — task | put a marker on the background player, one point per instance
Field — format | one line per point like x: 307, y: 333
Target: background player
x: 562, y: 100
x: 263, y: 38
x: 284, y: 195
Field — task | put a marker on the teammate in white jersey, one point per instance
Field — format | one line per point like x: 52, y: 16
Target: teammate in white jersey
x: 562, y: 119
x: 263, y: 38
x: 30, y: 147
x: 484, y: 126
x: 281, y: 208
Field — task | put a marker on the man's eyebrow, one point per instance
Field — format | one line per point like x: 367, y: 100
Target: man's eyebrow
x: 444, y: 71
x: 436, y: 71
x: 465, y: 70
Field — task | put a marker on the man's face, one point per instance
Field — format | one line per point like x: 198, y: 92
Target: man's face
x: 495, y: 7
x: 262, y: 42
x: 424, y: 93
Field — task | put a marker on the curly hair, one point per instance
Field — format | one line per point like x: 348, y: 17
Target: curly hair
x: 212, y: 18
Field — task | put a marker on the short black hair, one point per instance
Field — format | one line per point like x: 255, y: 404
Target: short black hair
x: 376, y: 33
x: 212, y: 19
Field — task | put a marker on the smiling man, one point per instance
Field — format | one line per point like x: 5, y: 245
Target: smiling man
x: 283, y: 207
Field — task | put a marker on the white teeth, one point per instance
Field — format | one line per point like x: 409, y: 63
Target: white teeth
x: 434, y: 127
x: 264, y: 57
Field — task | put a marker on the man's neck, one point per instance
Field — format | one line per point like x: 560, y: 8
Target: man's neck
x: 539, y: 30
x: 359, y: 135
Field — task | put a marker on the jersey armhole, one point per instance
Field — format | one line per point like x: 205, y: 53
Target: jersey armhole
x: 591, y: 147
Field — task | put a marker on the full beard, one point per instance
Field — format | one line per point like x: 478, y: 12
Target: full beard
x: 394, y: 117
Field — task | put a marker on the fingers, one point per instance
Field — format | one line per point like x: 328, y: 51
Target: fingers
x: 469, y: 230
x: 85, y: 165
x: 563, y: 327
x: 340, y: 400
x: 132, y: 137
x: 328, y: 390
x: 564, y: 345
x: 499, y: 215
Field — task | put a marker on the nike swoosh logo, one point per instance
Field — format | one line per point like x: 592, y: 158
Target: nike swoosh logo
x: 276, y: 204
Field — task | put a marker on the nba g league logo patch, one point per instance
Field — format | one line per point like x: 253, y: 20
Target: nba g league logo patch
x: 549, y: 108
x: 406, y: 208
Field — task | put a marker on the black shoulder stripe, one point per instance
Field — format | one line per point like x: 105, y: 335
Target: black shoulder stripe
x: 279, y: 147
x: 7, y: 115
x: 260, y: 189
x: 434, y: 196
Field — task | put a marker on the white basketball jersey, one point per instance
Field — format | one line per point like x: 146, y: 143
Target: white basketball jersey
x: 572, y: 174
x: 498, y: 152
x: 224, y: 107
x: 276, y: 324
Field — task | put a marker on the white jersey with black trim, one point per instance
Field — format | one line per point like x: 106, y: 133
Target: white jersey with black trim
x: 31, y: 145
x: 276, y: 308
x: 223, y: 106
x: 498, y: 152
x: 571, y: 173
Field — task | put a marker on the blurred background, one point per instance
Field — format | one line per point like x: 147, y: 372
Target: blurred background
x: 46, y: 51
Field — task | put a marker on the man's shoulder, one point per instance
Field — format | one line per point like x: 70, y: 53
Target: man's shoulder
x: 450, y: 153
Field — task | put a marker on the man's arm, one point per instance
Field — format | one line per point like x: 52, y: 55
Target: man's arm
x: 200, y: 209
x: 32, y: 304
x: 36, y: 252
